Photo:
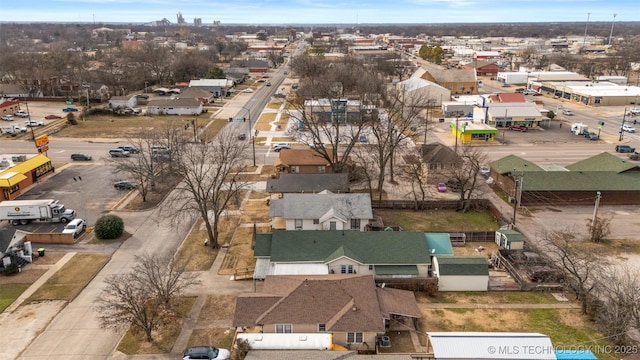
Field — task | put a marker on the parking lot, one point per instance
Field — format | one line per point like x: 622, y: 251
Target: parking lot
x: 86, y: 188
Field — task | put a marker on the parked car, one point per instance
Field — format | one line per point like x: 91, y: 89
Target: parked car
x: 520, y: 90
x: 441, y: 186
x: 242, y: 136
x: 52, y: 117
x: 125, y: 185
x: 205, y: 352
x: 628, y: 128
x: 7, y: 117
x: 485, y: 171
x: 119, y: 153
x: 69, y: 109
x: 363, y: 139
x: 160, y: 149
x: 634, y: 111
x: 530, y: 92
x: 268, y: 83
x: 33, y: 123
x: 521, y: 128
x: 625, y: 149
x: 130, y: 148
x: 536, y: 94
x: 21, y: 113
x: 279, y: 146
x: 567, y: 112
x: 81, y: 157
x: 76, y: 227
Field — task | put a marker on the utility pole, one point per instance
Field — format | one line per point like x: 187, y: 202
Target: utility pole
x: 613, y: 22
x: 624, y: 118
x: 33, y: 134
x: 517, y: 184
x: 457, y: 132
x: 584, y: 40
x: 595, y: 214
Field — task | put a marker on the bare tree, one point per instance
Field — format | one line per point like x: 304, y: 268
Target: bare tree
x: 414, y: 171
x: 211, y: 180
x: 598, y: 228
x: 618, y: 293
x: 393, y: 126
x: 366, y: 168
x: 463, y: 176
x: 166, y: 276
x: 126, y: 301
x: 581, y: 266
x: 332, y: 136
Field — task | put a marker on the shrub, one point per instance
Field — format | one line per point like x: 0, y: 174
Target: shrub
x: 109, y: 227
x: 11, y: 269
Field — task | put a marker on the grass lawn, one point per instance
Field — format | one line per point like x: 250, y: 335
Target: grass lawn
x: 134, y: 341
x: 67, y: 282
x: 438, y: 220
x: 565, y: 327
x: 9, y: 293
x: 488, y: 297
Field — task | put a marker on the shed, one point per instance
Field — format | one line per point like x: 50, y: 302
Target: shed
x: 490, y: 345
x: 510, y: 239
x: 461, y: 273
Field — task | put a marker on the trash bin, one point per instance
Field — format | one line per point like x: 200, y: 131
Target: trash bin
x: 40, y: 251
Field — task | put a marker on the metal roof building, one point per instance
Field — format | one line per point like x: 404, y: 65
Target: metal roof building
x: 490, y: 345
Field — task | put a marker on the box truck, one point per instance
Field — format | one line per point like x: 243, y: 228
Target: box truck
x: 24, y: 211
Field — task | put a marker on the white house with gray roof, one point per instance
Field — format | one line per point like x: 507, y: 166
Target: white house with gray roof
x: 175, y: 106
x: 322, y: 211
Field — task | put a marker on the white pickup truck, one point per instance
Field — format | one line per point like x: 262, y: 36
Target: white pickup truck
x: 13, y: 129
x: 33, y: 123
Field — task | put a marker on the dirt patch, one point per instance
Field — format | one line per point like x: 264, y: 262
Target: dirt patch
x: 218, y: 308
x: 473, y: 320
x: 440, y: 220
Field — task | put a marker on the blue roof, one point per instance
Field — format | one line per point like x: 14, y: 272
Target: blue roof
x: 575, y: 355
x: 439, y: 243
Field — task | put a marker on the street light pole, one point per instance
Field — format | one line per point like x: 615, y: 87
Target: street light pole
x: 251, y: 136
x: 624, y: 117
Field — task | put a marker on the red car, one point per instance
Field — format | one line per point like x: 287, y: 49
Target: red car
x: 518, y: 128
x: 537, y: 94
x: 51, y: 117
x: 442, y: 187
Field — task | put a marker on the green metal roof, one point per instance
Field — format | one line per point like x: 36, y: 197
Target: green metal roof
x: 263, y: 245
x: 511, y: 162
x: 581, y: 181
x: 367, y: 247
x: 512, y: 235
x: 462, y: 265
x: 603, y: 162
x: 396, y: 270
x: 439, y: 243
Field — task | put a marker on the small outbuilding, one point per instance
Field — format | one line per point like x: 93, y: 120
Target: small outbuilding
x: 510, y: 239
x: 461, y: 273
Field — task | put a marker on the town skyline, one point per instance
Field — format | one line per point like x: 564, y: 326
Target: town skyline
x: 318, y: 12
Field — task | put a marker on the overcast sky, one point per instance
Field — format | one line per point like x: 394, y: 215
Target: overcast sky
x: 318, y: 11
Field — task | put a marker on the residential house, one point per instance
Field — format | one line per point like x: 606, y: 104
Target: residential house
x: 349, y: 307
x: 457, y: 81
x: 614, y: 179
x: 204, y: 96
x: 308, y: 183
x: 18, y: 172
x: 423, y: 92
x: 322, y: 211
x: 175, y: 106
x: 218, y: 87
x: 341, y: 111
x: 461, y: 273
x: 384, y: 254
x: 302, y: 161
x: 438, y: 157
x: 123, y: 102
x: 509, y: 239
x: 13, y: 91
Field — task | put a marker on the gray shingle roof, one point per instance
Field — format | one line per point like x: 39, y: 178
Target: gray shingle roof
x: 314, y: 206
x: 310, y: 183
